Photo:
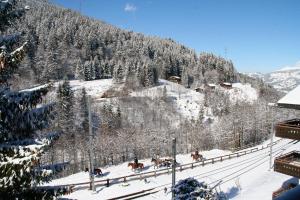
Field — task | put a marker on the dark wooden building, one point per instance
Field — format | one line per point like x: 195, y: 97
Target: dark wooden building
x: 226, y: 85
x: 175, y: 79
x: 210, y: 86
x: 289, y: 163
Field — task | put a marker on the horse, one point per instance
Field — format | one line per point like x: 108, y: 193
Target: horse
x: 136, y: 166
x: 157, y: 162
x: 97, y: 171
x: 161, y: 162
x: 197, y: 157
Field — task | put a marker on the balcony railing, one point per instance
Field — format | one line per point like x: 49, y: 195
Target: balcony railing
x: 288, y: 164
x: 288, y: 129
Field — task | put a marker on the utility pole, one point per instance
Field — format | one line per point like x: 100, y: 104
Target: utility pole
x: 91, y: 149
x: 80, y: 6
x: 271, y: 146
x: 173, y: 166
x: 270, y: 106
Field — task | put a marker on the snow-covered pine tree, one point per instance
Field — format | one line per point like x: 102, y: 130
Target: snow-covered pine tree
x: 66, y: 118
x: 87, y: 71
x: 20, y: 119
x: 118, y: 73
x: 93, y: 69
x: 84, y: 113
x: 97, y: 68
x: 65, y: 106
x: 52, y: 71
x: 79, y: 74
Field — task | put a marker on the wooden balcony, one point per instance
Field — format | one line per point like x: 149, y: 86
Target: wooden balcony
x: 288, y: 164
x: 288, y: 129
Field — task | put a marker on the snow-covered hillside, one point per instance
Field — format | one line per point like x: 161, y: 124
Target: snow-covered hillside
x: 187, y: 101
x: 242, y: 93
x: 240, y: 176
x: 283, y: 80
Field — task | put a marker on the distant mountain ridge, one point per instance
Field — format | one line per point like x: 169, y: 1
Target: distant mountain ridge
x: 284, y: 80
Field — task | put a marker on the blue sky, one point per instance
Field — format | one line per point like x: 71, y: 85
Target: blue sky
x: 259, y: 35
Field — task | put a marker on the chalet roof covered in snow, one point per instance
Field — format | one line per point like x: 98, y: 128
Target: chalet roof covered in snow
x: 291, y: 100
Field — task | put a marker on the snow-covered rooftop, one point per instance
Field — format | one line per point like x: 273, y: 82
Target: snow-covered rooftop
x: 292, y: 99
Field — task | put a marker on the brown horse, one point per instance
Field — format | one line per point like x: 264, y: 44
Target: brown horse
x: 157, y: 162
x: 136, y: 166
x: 197, y: 157
x: 97, y: 171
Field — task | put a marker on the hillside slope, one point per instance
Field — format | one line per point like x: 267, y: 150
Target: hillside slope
x: 284, y: 80
x: 64, y: 43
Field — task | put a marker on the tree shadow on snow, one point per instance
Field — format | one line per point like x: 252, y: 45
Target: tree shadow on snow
x: 103, y: 174
x: 147, y: 167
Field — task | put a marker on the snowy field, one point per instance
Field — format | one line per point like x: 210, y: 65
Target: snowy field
x: 240, y: 176
x: 94, y: 88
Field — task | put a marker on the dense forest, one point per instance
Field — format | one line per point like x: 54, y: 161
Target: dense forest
x: 64, y: 43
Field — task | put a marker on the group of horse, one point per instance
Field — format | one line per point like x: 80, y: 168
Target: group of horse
x: 158, y: 162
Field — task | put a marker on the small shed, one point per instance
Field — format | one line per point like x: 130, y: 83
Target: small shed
x: 175, y: 79
x: 211, y: 86
x: 226, y: 85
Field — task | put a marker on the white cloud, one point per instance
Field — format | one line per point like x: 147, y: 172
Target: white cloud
x: 130, y: 7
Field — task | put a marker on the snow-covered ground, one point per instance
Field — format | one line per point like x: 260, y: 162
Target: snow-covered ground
x: 187, y: 101
x: 242, y: 93
x: 245, y: 177
x: 95, y: 88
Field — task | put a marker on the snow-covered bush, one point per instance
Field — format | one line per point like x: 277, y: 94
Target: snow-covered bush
x: 191, y: 189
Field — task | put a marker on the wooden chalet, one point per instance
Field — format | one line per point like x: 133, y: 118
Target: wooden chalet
x: 175, y: 79
x: 210, y: 86
x: 226, y: 85
x: 289, y: 163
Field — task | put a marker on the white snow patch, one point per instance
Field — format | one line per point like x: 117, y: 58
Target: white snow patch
x: 187, y: 101
x: 94, y: 88
x: 242, y: 93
